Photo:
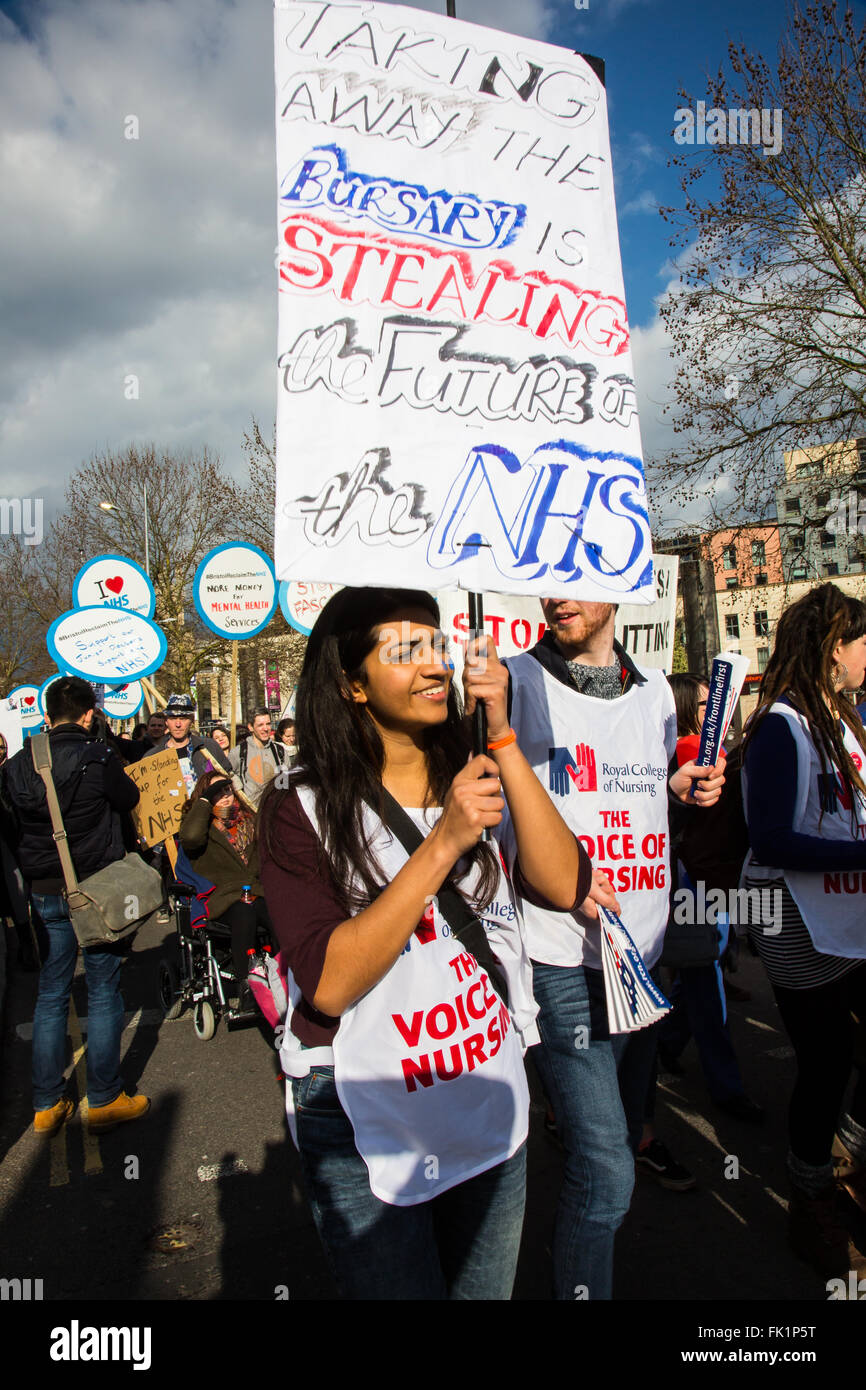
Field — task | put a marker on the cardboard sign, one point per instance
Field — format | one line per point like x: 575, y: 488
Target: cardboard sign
x: 163, y: 793
x: 456, y: 403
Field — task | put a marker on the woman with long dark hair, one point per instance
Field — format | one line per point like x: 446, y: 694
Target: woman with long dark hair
x: 805, y: 801
x: 411, y: 990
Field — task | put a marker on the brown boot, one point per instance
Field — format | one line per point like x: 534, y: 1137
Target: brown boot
x: 849, y: 1173
x: 817, y: 1233
x: 117, y: 1112
x: 50, y: 1121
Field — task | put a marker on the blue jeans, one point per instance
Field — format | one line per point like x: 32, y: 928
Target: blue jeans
x: 579, y: 1072
x: 102, y: 965
x: 461, y: 1245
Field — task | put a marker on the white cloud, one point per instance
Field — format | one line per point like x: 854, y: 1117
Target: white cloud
x: 644, y: 202
x: 612, y: 9
x: 151, y: 256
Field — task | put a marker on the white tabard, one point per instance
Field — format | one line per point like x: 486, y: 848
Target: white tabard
x: 832, y: 904
x: 604, y: 764
x: 428, y: 1064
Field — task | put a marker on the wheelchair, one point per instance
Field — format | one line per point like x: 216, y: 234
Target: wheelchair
x: 204, y: 977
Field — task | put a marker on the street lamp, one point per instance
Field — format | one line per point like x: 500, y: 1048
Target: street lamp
x: 113, y: 507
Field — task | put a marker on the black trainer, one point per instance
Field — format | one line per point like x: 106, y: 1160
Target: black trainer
x: 654, y: 1158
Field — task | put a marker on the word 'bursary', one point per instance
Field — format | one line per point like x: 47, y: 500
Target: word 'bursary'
x: 323, y: 178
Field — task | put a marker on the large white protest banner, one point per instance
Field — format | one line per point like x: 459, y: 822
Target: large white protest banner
x: 456, y: 402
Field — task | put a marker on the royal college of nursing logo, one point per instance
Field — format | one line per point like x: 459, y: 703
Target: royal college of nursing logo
x: 578, y: 771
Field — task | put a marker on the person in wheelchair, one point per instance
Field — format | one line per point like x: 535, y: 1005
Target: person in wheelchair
x: 218, y: 836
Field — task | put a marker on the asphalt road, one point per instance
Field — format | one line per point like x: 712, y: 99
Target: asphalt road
x: 201, y: 1199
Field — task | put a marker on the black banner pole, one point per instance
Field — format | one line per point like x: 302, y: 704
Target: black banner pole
x: 479, y: 718
x: 476, y: 601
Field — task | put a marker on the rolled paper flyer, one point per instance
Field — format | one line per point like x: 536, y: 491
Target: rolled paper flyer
x: 726, y: 681
x: 633, y: 999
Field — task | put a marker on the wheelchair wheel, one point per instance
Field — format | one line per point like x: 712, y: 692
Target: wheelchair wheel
x: 169, y: 990
x: 204, y: 1020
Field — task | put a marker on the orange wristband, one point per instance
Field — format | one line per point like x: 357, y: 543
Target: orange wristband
x: 510, y: 737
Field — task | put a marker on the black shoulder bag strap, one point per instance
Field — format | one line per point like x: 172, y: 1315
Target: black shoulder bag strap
x: 463, y: 922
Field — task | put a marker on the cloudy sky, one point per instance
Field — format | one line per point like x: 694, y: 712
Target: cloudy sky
x: 153, y: 257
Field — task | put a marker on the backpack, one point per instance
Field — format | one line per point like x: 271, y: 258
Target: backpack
x: 243, y: 756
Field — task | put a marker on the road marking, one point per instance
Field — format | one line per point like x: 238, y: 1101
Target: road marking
x: 742, y: 1220
x: 206, y: 1172
x: 92, y: 1156
x: 59, y: 1173
x: 24, y: 1031
x: 706, y: 1131
x: 704, y: 1128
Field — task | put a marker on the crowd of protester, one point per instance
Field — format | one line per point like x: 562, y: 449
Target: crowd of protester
x: 436, y: 909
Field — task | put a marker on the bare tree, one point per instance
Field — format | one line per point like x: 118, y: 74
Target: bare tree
x: 769, y: 320
x: 192, y: 506
x: 188, y: 513
x: 255, y: 502
x: 24, y: 656
x: 254, y: 505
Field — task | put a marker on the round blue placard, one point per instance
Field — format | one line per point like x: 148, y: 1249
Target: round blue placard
x: 108, y: 646
x: 116, y: 582
x: 235, y: 590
